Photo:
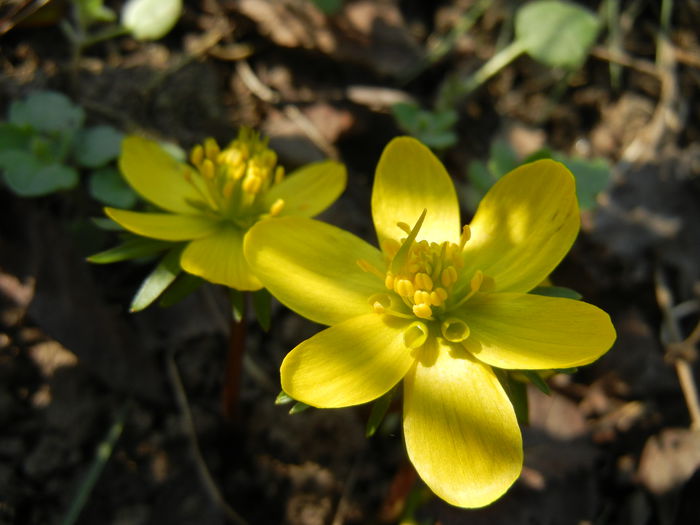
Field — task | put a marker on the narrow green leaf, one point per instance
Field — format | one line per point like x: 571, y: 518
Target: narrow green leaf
x: 298, y: 407
x: 557, y: 291
x: 379, y: 409
x: 537, y: 380
x: 517, y: 393
x: 184, y: 285
x: 262, y: 304
x: 107, y: 224
x: 283, y: 398
x: 158, y: 280
x: 237, y: 304
x: 132, y: 248
x: 401, y: 256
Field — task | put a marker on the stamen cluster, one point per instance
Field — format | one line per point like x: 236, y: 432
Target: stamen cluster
x: 233, y: 181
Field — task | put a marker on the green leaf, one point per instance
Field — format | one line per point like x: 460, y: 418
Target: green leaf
x: 184, y: 285
x: 237, y: 304
x: 283, y: 398
x: 517, y: 393
x: 47, y: 111
x: 109, y: 187
x: 13, y: 137
x: 96, y: 146
x: 329, y: 6
x: 592, y: 177
x: 502, y: 158
x: 556, y: 33
x: 150, y: 19
x: 93, y: 11
x: 28, y: 177
x: 537, y: 380
x: 132, y: 248
x: 557, y: 291
x: 379, y: 409
x: 107, y: 224
x: 406, y: 115
x: 298, y: 407
x: 158, y: 280
x: 262, y: 304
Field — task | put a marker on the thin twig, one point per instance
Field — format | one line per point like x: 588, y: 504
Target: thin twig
x: 188, y: 426
x: 292, y: 112
x: 684, y: 371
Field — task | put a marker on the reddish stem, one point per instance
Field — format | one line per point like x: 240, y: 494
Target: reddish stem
x: 230, y: 394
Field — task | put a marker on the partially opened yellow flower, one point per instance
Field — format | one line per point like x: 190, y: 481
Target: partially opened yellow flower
x: 438, y: 306
x: 213, y: 202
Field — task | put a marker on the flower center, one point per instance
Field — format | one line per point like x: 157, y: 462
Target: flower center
x: 426, y: 278
x: 232, y: 182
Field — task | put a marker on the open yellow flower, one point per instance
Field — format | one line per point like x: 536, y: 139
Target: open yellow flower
x: 438, y: 306
x: 214, y: 201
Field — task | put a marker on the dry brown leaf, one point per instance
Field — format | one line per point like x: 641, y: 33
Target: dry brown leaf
x: 669, y: 459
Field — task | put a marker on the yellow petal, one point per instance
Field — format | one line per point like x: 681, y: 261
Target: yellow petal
x: 521, y: 331
x: 460, y: 428
x: 311, y: 267
x: 219, y: 259
x: 309, y: 190
x: 156, y: 175
x: 163, y: 226
x: 524, y: 226
x: 409, y: 179
x: 350, y: 363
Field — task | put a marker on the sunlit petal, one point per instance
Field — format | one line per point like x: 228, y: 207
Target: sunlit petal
x: 350, y: 363
x: 156, y: 175
x: 219, y: 259
x: 460, y: 428
x: 524, y: 226
x: 409, y: 179
x: 163, y: 226
x: 312, y: 267
x: 309, y: 190
x: 521, y: 331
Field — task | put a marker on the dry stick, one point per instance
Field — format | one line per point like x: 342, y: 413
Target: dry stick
x: 683, y: 369
x: 293, y: 113
x: 189, y: 429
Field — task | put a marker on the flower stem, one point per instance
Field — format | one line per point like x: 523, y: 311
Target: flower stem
x: 230, y: 394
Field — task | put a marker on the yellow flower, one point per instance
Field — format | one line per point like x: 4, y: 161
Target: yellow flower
x: 438, y: 306
x: 214, y: 201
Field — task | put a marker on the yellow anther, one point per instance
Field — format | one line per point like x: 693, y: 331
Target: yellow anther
x: 279, y: 174
x: 466, y: 235
x: 379, y: 302
x: 420, y: 297
x: 415, y: 335
x: 252, y: 184
x: 404, y: 287
x: 405, y: 227
x: 389, y: 281
x: 476, y: 281
x: 231, y: 156
x: 423, y: 281
x: 436, y: 299
x: 454, y: 330
x: 208, y: 169
x: 227, y: 190
x: 236, y: 171
x: 276, y: 207
x: 442, y: 293
x: 422, y: 310
x: 448, y: 276
x: 390, y: 247
x: 211, y: 148
x: 197, y: 155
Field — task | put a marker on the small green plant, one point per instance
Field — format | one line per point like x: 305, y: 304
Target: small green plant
x: 93, y: 22
x: 433, y: 128
x: 592, y: 175
x: 44, y: 146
